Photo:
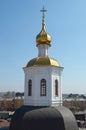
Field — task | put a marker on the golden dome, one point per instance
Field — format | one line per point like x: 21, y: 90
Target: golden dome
x: 43, y: 37
x: 43, y: 61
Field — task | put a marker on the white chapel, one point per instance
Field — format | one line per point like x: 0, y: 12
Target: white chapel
x: 43, y: 109
x: 43, y: 75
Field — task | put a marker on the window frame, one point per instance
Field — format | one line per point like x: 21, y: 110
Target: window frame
x: 43, y: 87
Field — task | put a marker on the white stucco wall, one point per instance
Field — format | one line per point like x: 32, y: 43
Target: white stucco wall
x: 50, y: 73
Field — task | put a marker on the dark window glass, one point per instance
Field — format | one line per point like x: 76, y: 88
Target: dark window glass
x: 30, y: 87
x: 56, y: 87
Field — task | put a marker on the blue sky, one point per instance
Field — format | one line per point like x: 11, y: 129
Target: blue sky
x: 20, y: 22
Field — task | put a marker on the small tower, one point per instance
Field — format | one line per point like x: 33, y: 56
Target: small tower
x: 43, y: 74
x: 42, y: 108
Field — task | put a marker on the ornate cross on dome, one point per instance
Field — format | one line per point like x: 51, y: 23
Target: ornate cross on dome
x: 43, y: 11
x: 43, y: 16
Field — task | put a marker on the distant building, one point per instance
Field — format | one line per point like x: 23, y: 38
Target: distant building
x: 75, y: 102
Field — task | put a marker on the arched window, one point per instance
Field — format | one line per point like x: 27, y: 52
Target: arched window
x: 43, y: 87
x: 56, y: 87
x: 30, y: 87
